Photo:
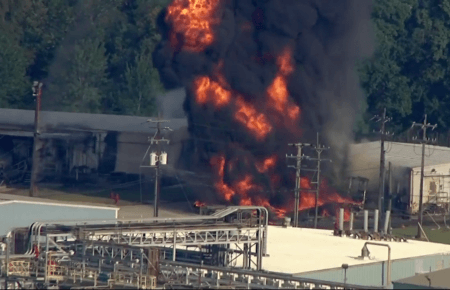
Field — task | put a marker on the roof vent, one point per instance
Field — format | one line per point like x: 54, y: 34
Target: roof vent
x: 286, y: 222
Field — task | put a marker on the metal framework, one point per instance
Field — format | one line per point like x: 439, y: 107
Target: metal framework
x: 140, y: 253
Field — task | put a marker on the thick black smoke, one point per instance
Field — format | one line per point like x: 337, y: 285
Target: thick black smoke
x: 328, y: 37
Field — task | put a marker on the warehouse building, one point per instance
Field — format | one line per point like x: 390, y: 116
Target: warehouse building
x: 406, y: 161
x: 76, y: 144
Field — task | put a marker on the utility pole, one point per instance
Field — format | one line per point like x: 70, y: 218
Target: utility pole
x: 391, y: 192
x: 424, y: 140
x: 37, y: 94
x: 299, y: 158
x: 383, y: 120
x: 319, y: 149
x: 157, y: 159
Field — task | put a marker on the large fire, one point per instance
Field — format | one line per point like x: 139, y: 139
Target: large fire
x: 193, y: 19
x: 278, y: 91
x: 256, y: 122
x: 193, y: 23
x: 208, y: 91
x: 249, y: 192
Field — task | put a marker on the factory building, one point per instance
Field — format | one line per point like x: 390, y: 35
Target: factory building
x: 405, y: 158
x: 79, y: 146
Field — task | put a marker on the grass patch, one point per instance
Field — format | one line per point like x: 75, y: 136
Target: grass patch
x: 435, y: 235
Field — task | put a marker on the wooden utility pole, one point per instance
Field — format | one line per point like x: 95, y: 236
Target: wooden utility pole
x: 383, y: 120
x: 391, y: 192
x: 299, y: 158
x: 319, y: 149
x: 157, y: 139
x: 37, y: 94
x: 424, y: 140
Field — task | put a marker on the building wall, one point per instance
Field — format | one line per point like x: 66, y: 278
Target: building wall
x: 22, y: 214
x: 437, y: 181
x: 375, y: 274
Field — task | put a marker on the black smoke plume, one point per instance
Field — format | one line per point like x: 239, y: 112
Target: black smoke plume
x: 328, y: 38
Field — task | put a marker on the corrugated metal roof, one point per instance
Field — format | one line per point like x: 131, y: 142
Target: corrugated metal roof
x: 12, y: 119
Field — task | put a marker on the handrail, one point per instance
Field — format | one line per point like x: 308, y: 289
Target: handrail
x: 35, y: 228
x: 271, y: 275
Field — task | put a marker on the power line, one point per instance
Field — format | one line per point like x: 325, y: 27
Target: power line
x: 299, y: 158
x: 319, y: 149
x: 156, y: 159
x: 383, y: 120
x: 424, y: 140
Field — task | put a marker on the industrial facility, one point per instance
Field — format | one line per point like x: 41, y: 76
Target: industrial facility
x: 235, y: 247
x: 77, y: 147
x: 244, y: 176
x: 405, y: 160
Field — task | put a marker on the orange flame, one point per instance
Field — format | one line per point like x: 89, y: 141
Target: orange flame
x: 278, y: 92
x: 224, y: 189
x: 193, y: 19
x: 207, y: 90
x: 199, y: 204
x: 256, y: 122
x: 267, y: 164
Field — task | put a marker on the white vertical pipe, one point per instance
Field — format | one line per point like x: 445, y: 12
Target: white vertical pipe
x: 341, y: 219
x: 375, y: 222
x: 386, y: 222
x: 366, y: 220
x: 351, y: 221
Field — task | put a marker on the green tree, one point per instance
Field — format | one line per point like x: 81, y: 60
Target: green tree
x: 13, y: 68
x: 409, y: 73
x: 93, y: 55
x: 143, y: 86
x: 79, y: 86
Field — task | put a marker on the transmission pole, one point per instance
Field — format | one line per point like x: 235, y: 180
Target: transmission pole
x: 319, y: 149
x: 299, y: 158
x: 424, y: 140
x: 37, y: 94
x: 158, y: 158
x: 383, y: 120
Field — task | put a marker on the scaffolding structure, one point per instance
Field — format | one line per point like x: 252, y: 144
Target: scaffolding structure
x: 147, y: 254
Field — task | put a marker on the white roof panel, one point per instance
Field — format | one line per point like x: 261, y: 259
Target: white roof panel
x: 298, y: 250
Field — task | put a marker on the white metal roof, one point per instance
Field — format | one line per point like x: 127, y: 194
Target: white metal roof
x: 297, y: 250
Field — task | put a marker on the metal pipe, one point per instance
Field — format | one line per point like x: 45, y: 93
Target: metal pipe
x: 366, y: 221
x: 259, y: 248
x: 46, y: 258
x: 341, y: 219
x: 351, y: 221
x: 174, y: 245
x: 7, y: 261
x: 386, y: 222
x: 375, y: 221
x: 388, y: 282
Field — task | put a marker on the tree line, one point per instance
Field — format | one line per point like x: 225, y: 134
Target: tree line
x: 92, y: 55
x: 95, y: 56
